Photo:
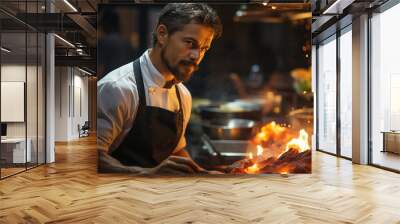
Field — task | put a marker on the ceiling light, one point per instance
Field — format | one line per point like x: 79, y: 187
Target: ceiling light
x: 70, y: 5
x: 338, y: 6
x: 5, y: 50
x: 65, y: 41
x: 265, y: 3
x: 239, y: 13
x: 273, y: 7
x: 84, y: 71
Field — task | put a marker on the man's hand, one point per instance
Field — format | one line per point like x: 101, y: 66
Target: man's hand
x: 183, y: 153
x: 238, y: 166
x: 175, y: 165
x: 214, y: 172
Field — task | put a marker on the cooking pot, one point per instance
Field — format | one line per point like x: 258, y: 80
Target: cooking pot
x: 230, y: 129
x: 302, y: 119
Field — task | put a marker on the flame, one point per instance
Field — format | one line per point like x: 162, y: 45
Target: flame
x: 250, y: 155
x: 300, y: 143
x: 278, y: 140
x: 270, y: 131
x: 252, y: 169
x: 260, y: 150
x: 284, y: 170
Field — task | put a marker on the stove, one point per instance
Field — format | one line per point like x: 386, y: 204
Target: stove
x: 210, y: 153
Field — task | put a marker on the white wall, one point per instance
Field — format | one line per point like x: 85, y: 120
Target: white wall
x: 71, y: 93
x: 33, y: 126
x: 12, y: 73
x: 80, y: 110
x: 61, y: 103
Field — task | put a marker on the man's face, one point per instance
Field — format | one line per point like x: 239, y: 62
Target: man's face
x: 184, y: 50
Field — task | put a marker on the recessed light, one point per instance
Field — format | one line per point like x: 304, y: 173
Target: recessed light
x: 70, y: 5
x: 5, y: 50
x: 65, y: 41
x: 84, y: 71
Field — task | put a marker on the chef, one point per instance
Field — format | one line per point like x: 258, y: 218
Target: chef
x: 143, y: 107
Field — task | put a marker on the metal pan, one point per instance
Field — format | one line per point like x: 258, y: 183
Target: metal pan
x: 230, y: 129
x: 242, y: 110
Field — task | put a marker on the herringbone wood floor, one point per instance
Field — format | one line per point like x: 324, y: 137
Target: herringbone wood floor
x: 70, y: 191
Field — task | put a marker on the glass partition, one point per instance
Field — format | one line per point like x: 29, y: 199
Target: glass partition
x: 14, y: 151
x: 22, y: 100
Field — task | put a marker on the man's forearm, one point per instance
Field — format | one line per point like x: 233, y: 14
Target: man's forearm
x: 185, y: 154
x: 108, y: 164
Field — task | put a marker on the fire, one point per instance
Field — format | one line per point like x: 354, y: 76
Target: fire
x: 270, y: 132
x: 252, y: 169
x: 260, y: 152
x: 300, y: 143
x: 251, y: 155
x: 279, y: 141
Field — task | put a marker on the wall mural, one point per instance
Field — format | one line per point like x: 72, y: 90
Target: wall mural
x: 191, y: 89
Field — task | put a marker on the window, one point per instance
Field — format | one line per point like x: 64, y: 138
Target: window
x: 385, y: 88
x: 346, y: 92
x: 327, y: 95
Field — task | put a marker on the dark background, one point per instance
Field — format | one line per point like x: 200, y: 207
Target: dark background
x: 277, y: 46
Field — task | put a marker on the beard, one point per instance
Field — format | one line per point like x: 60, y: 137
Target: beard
x: 182, y: 71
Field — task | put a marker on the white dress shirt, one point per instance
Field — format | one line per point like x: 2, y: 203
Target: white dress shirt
x: 118, y: 101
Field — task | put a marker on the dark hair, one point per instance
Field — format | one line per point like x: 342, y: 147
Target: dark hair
x: 176, y: 15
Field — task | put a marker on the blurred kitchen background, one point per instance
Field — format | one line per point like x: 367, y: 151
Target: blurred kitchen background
x: 265, y: 51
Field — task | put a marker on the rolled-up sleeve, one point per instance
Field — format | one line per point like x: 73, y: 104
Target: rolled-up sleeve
x: 115, y: 104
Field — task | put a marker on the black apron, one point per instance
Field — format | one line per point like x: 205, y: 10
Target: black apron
x: 155, y: 132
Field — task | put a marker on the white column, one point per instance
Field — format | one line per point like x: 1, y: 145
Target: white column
x: 360, y: 90
x: 50, y: 93
x: 314, y: 90
x: 62, y: 103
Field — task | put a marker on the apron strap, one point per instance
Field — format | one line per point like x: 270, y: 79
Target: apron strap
x: 139, y: 85
x: 179, y: 98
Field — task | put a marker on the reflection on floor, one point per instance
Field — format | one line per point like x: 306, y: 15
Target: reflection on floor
x: 387, y: 159
x: 11, y: 169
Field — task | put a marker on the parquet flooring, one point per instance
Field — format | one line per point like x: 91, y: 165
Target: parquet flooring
x: 9, y: 171
x: 71, y: 191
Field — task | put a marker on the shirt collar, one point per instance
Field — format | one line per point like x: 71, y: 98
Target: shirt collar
x: 155, y: 77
